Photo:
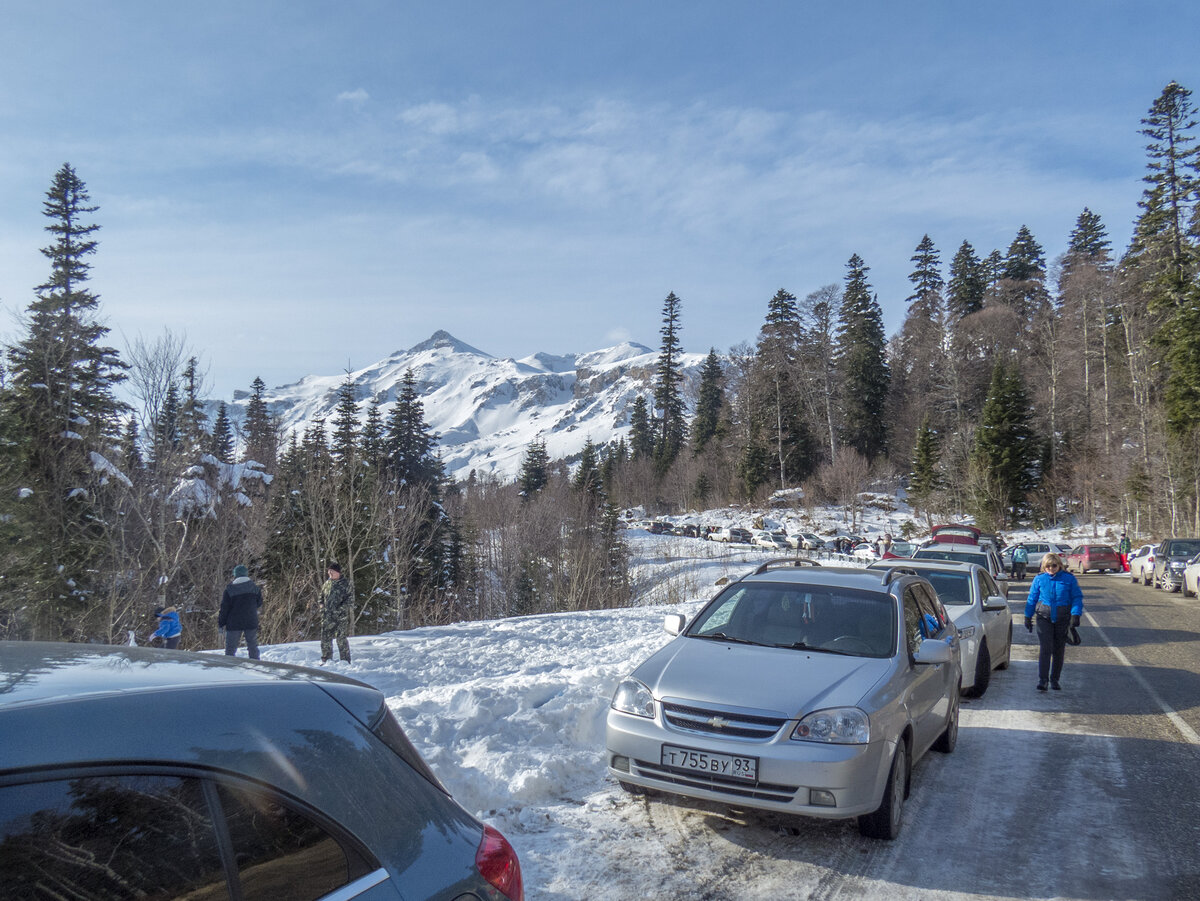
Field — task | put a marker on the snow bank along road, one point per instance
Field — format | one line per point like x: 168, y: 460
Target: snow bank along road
x: 1087, y: 793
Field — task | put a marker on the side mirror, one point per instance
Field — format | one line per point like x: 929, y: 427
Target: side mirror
x: 673, y: 623
x: 934, y: 650
x: 995, y: 602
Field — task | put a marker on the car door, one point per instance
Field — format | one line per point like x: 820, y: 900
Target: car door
x: 995, y: 622
x: 928, y: 697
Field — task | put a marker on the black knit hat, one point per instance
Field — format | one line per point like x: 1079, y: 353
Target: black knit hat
x: 337, y: 569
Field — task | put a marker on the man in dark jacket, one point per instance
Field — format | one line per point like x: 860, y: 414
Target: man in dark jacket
x: 336, y: 602
x: 239, y: 613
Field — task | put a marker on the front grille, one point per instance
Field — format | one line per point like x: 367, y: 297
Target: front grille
x: 731, y: 724
x: 739, y: 788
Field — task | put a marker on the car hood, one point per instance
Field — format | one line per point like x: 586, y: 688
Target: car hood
x: 777, y: 680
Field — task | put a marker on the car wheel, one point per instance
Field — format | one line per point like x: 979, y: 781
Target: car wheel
x: 1167, y: 583
x: 885, y: 822
x: 1008, y: 653
x: 947, y: 740
x: 1133, y: 577
x: 983, y: 672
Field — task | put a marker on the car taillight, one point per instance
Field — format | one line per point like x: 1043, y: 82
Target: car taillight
x: 497, y: 863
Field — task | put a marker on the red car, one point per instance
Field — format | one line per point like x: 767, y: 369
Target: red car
x: 1100, y: 557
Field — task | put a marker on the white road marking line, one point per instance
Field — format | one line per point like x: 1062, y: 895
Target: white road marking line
x: 1184, y: 729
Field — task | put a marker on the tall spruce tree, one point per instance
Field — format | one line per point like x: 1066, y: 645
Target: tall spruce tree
x: 862, y: 365
x: 61, y: 416
x: 535, y: 472
x: 262, y: 443
x: 641, y: 434
x: 1023, y: 274
x: 925, y: 478
x: 777, y: 399
x: 668, y: 387
x: 1006, y: 453
x: 221, y: 442
x: 968, y: 283
x: 711, y: 399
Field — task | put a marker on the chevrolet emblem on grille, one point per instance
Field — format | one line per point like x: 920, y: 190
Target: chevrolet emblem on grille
x: 718, y: 722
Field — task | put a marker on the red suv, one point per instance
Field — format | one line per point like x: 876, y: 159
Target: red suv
x: 1100, y: 557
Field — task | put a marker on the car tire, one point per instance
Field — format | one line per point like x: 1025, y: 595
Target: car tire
x: 1008, y: 653
x: 948, y: 740
x: 1168, y: 584
x: 885, y: 822
x: 983, y: 672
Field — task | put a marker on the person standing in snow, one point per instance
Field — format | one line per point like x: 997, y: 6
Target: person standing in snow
x: 336, y: 602
x: 1123, y: 549
x: 239, y: 613
x: 169, y: 628
x: 1055, y: 597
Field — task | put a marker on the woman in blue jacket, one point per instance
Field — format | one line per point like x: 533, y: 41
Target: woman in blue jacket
x: 1055, y: 598
x: 169, y: 628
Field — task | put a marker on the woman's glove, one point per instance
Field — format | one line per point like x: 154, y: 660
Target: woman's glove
x: 1075, y: 620
x: 1029, y: 624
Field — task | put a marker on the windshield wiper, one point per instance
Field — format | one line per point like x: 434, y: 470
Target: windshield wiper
x: 721, y: 636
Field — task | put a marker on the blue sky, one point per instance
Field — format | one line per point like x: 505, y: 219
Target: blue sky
x: 301, y: 187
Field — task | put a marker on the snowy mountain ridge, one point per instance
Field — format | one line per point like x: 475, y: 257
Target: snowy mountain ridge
x: 487, y: 410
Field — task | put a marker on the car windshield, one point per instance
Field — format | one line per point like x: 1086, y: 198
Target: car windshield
x: 1185, y: 548
x: 953, y: 589
x: 801, y: 617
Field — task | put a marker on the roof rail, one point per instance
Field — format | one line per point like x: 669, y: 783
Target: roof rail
x: 785, y: 561
x: 891, y: 574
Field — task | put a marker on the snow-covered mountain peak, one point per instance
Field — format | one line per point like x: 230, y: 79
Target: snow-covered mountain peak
x: 486, y: 410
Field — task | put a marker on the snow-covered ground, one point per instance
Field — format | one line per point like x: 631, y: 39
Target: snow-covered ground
x: 510, y: 714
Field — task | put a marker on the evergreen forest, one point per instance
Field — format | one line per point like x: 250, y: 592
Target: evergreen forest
x: 1019, y: 390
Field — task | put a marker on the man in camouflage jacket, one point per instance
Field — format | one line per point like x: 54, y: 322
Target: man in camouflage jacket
x: 336, y: 603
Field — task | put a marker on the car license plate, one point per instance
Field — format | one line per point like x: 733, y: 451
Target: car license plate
x: 732, y: 766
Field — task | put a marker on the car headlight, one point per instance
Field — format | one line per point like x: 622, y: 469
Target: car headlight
x: 838, y: 726
x: 1178, y: 565
x: 966, y: 632
x: 633, y: 697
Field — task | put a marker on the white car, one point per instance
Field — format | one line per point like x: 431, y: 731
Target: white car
x: 1191, y: 578
x: 1141, y: 564
x: 978, y: 607
x: 811, y: 542
x: 770, y: 540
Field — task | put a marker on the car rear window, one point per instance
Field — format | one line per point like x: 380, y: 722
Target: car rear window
x: 953, y: 589
x: 1184, y: 548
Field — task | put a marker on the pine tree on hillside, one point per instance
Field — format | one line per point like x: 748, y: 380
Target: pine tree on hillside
x: 926, y: 477
x: 1089, y: 239
x: 587, y: 477
x: 862, y: 365
x: 641, y: 435
x: 1023, y: 276
x: 409, y: 442
x: 262, y: 444
x: 668, y: 388
x: 60, y: 416
x: 221, y: 442
x: 1006, y: 453
x: 777, y: 400
x: 968, y: 283
x: 534, y: 470
x: 711, y: 399
x: 344, y: 440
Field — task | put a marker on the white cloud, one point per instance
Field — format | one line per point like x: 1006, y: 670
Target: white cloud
x: 356, y: 98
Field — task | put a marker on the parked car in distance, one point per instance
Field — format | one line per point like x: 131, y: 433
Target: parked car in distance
x: 771, y: 540
x: 800, y: 689
x: 980, y: 613
x: 1191, y: 578
x: 983, y: 555
x: 731, y: 534
x: 1141, y: 564
x: 132, y: 772
x: 1100, y: 557
x: 867, y: 550
x: 1036, y: 551
x: 900, y: 549
x: 1171, y: 560
x: 811, y: 542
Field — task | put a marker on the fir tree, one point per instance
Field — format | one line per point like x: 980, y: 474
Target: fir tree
x: 372, y: 440
x: 1006, y: 453
x: 409, y: 442
x: 968, y: 283
x: 343, y: 447
x: 641, y: 437
x: 587, y: 477
x: 862, y: 365
x: 1024, y: 276
x: 711, y: 399
x: 534, y: 470
x: 259, y: 428
x: 777, y: 398
x: 221, y: 443
x: 925, y: 479
x: 668, y: 387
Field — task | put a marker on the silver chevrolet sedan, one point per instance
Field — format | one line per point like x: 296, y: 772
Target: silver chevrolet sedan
x: 799, y: 688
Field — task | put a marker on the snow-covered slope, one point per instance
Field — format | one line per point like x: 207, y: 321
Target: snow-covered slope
x: 487, y: 410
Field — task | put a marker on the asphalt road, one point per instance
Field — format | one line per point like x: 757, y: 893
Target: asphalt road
x: 1092, y: 792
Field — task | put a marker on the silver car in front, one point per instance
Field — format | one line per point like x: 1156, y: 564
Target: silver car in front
x: 799, y: 688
